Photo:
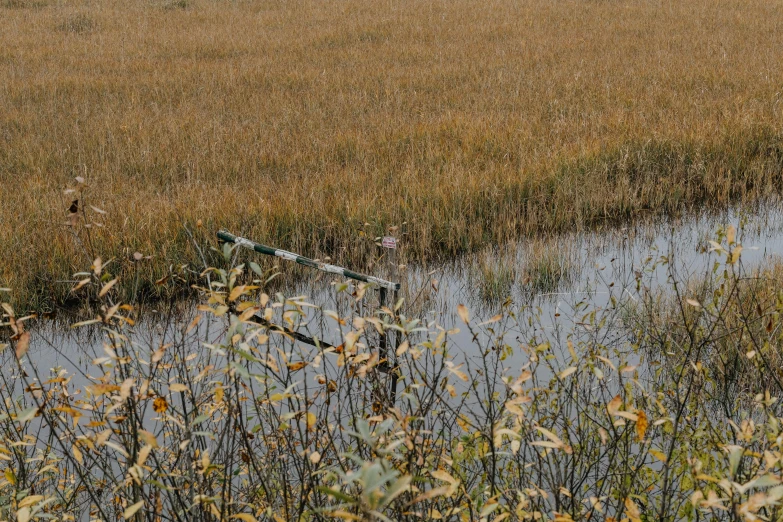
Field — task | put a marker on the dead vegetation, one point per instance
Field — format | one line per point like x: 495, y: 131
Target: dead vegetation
x: 297, y: 123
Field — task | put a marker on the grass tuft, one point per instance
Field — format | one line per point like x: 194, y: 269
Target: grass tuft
x: 548, y: 267
x: 494, y: 273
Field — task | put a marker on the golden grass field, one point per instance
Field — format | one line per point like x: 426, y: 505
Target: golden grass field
x: 295, y: 123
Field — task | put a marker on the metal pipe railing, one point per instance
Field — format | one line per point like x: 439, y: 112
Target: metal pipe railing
x: 290, y: 256
x: 331, y: 269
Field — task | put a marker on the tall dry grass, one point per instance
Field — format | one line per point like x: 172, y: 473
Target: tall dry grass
x: 297, y: 122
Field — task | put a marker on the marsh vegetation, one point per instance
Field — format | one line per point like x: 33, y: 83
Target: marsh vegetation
x: 551, y: 356
x: 304, y: 124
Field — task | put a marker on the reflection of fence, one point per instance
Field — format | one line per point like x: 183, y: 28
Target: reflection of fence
x: 383, y: 287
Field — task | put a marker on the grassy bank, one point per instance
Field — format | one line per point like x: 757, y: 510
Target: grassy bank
x: 297, y: 123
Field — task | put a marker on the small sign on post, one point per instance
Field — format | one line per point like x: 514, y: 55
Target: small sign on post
x: 389, y: 242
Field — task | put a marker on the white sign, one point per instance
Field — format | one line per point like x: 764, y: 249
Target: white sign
x: 389, y: 242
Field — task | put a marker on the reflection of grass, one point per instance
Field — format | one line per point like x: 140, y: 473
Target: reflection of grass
x: 264, y: 118
x: 494, y: 272
x: 548, y: 267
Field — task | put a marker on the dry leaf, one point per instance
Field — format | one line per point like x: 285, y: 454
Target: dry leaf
x: 568, y: 371
x: 160, y: 405
x: 29, y: 501
x: 614, y: 405
x: 632, y: 510
x: 108, y: 286
x: 131, y: 510
x: 77, y: 454
x: 463, y: 313
x: 22, y: 345
x: 641, y: 425
x: 244, y: 517
x: 731, y: 234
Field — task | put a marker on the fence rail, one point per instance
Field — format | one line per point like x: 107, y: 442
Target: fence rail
x: 290, y: 256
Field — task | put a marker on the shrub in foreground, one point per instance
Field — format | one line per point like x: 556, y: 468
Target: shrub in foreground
x: 628, y: 412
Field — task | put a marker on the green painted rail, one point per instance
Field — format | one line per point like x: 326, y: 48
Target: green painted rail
x: 290, y: 256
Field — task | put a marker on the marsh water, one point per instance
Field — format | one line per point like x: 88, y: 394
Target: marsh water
x: 548, y: 286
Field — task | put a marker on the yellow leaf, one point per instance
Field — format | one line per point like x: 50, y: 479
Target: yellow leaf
x: 494, y: 319
x: 236, y: 292
x: 568, y: 371
x: 545, y: 444
x: 735, y: 254
x: 344, y: 515
x: 444, y: 476
x: 193, y: 324
x: 23, y: 515
x: 143, y: 454
x: 126, y: 388
x: 296, y: 366
x: 249, y: 311
x: 632, y: 510
x: 107, y: 287
x: 177, y: 387
x: 29, y: 501
x: 463, y: 313
x: 432, y: 493
x: 658, y: 455
x: 311, y: 420
x: 160, y: 405
x: 131, y: 510
x: 641, y: 425
x: 627, y: 415
x: 148, y: 438
x: 22, y: 345
x: 101, y: 389
x: 614, y: 405
x: 245, y: 517
x: 80, y: 284
x: 731, y: 234
x: 551, y: 436
x: 77, y: 454
x: 694, y: 303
